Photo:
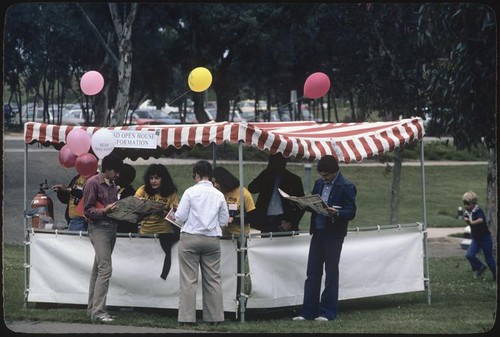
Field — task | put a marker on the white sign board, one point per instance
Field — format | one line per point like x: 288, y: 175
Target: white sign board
x: 137, y: 139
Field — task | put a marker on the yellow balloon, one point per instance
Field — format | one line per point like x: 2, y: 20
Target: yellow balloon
x: 199, y: 79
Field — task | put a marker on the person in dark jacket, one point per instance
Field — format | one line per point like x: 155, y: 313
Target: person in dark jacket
x: 125, y: 189
x: 274, y: 213
x: 328, y: 232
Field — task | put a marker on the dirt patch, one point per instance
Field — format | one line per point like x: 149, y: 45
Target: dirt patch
x: 444, y: 247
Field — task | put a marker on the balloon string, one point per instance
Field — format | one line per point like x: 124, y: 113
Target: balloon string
x: 76, y: 100
x: 287, y: 104
x: 179, y: 97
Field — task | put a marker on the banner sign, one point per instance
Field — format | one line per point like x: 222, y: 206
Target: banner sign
x: 136, y: 139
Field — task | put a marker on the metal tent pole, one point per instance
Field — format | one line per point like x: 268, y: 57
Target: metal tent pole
x: 424, y: 219
x: 242, y: 297
x: 26, y: 230
x: 214, y: 155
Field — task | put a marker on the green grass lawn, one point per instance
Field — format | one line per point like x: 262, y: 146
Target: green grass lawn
x: 445, y: 186
x: 460, y: 304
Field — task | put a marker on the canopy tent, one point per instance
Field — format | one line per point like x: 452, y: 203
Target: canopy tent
x: 309, y: 140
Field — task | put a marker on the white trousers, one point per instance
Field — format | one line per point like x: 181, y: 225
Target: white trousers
x: 200, y: 252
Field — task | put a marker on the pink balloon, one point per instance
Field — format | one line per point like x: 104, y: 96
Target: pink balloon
x: 78, y: 141
x: 86, y: 165
x: 316, y: 85
x: 91, y: 83
x: 66, y: 157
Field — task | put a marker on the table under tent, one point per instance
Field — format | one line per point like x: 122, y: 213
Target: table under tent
x: 392, y: 259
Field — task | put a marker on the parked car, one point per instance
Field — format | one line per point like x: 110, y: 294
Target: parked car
x: 163, y: 117
x: 190, y: 117
x: 284, y: 115
x: 211, y: 112
x: 140, y: 117
x: 306, y: 113
x: 211, y: 115
x: 234, y: 116
x: 76, y: 117
x: 148, y: 105
x: 27, y: 114
x: 8, y: 116
x: 247, y: 109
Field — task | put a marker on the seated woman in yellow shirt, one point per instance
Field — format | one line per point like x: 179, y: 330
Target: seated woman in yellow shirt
x: 159, y: 186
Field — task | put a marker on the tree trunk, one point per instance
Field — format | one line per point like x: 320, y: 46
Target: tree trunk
x: 124, y: 33
x: 396, y: 178
x: 335, y: 109
x: 351, y: 103
x: 491, y: 192
x: 199, y: 109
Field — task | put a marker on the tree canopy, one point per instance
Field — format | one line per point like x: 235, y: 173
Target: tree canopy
x: 386, y: 60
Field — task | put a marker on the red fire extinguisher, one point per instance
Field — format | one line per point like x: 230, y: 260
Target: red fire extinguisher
x: 43, y: 205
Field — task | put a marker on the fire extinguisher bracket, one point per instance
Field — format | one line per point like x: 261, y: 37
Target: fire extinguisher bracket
x: 29, y: 213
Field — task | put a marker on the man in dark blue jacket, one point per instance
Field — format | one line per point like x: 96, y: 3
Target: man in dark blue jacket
x: 328, y: 232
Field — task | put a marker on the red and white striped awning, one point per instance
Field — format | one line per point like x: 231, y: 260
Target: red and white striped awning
x: 309, y: 140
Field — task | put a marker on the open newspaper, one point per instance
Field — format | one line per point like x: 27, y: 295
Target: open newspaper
x: 171, y: 218
x: 314, y: 202
x: 133, y: 209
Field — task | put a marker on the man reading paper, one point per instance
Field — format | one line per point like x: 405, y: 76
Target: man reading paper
x: 328, y: 232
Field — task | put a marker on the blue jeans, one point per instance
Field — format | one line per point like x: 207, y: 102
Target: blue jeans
x: 486, y: 245
x: 102, y: 235
x: 78, y: 224
x: 323, y: 250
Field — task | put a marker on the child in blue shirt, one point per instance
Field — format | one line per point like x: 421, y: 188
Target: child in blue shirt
x: 480, y: 235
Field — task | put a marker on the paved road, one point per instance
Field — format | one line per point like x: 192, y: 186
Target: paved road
x: 29, y: 327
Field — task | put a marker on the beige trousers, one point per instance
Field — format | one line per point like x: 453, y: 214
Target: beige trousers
x: 200, y: 252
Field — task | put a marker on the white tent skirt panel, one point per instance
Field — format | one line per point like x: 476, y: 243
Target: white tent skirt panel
x: 373, y: 263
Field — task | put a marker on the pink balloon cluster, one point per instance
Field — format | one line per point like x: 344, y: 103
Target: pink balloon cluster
x: 75, y: 153
x: 316, y: 85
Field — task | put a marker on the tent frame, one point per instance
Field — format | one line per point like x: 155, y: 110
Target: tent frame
x: 241, y: 297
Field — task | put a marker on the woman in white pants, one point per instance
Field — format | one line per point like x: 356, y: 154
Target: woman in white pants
x: 202, y: 209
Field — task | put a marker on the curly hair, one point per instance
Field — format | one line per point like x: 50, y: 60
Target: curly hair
x: 167, y: 186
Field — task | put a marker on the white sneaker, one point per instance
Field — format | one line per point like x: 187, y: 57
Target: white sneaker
x: 321, y: 319
x: 298, y: 318
x: 105, y: 318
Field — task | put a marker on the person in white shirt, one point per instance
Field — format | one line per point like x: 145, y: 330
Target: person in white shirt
x: 202, y: 210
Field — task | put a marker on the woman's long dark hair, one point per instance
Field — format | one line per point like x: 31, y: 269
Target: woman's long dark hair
x: 167, y: 186
x: 225, y: 179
